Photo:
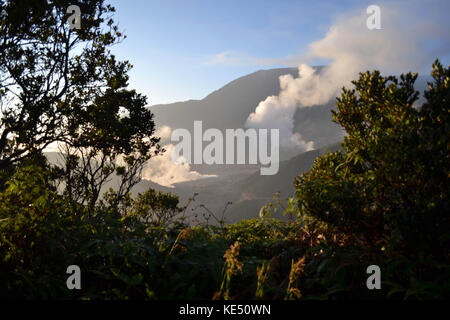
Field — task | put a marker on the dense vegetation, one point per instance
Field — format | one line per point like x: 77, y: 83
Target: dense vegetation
x: 382, y: 199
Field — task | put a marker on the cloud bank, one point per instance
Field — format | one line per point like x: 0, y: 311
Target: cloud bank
x: 162, y: 170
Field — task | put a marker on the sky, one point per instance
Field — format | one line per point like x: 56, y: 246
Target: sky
x: 184, y: 50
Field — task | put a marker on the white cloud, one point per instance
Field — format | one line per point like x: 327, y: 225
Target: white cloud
x: 278, y: 112
x: 226, y: 58
x: 232, y: 58
x: 400, y: 46
x: 162, y: 170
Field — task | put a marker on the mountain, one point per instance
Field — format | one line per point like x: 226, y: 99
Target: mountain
x: 247, y: 191
x: 229, y: 107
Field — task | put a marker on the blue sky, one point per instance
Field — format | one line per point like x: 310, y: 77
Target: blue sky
x: 186, y: 49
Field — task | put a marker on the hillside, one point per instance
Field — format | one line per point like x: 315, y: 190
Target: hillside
x: 229, y: 107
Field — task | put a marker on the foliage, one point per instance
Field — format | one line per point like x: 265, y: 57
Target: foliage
x: 381, y: 200
x: 63, y: 85
x: 389, y: 186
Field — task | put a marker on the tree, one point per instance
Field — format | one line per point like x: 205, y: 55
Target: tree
x: 390, y: 184
x: 62, y: 85
x: 155, y: 207
x: 108, y: 141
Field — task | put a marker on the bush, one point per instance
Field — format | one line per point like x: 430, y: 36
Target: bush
x: 389, y: 186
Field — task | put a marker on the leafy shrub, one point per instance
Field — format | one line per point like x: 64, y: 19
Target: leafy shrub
x: 389, y: 186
